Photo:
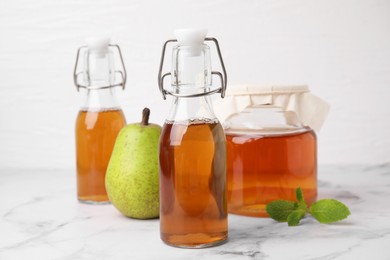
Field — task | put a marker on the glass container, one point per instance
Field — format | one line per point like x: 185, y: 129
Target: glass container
x: 271, y: 144
x: 100, y: 117
x: 193, y: 205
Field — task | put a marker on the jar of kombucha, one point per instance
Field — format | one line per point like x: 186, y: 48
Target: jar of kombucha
x: 100, y: 118
x: 271, y: 147
x: 193, y: 208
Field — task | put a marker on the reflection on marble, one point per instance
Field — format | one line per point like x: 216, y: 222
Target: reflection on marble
x: 41, y: 219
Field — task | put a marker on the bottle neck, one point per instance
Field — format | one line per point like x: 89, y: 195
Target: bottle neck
x: 191, y: 69
x: 99, y: 75
x: 99, y: 68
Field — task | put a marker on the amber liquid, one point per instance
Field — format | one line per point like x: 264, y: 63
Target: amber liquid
x: 96, y: 132
x: 261, y: 169
x: 193, y: 184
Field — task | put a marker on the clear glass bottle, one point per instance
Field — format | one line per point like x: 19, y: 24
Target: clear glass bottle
x: 99, y: 120
x: 193, y: 209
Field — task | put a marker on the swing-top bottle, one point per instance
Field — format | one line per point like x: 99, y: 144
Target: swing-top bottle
x: 100, y: 117
x: 192, y: 148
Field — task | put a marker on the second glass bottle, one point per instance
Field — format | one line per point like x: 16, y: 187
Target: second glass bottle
x: 193, y: 201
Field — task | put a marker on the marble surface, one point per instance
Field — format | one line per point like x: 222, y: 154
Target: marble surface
x: 40, y: 218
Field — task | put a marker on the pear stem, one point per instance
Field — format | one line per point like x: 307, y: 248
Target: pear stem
x: 145, y: 116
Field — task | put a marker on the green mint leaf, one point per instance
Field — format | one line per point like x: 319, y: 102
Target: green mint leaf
x: 295, y: 216
x: 279, y: 210
x: 299, y: 195
x: 329, y: 210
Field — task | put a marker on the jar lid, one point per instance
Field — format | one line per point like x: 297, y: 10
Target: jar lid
x: 310, y: 109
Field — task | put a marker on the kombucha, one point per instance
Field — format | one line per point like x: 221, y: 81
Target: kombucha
x: 263, y: 168
x: 193, y: 184
x: 96, y: 132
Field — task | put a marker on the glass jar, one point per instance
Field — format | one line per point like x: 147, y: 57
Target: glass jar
x: 270, y: 151
x: 100, y: 117
x: 193, y: 209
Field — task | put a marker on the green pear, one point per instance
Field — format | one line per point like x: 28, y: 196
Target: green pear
x: 132, y: 177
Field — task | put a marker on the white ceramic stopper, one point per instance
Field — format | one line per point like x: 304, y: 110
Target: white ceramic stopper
x: 190, y: 36
x: 98, y: 44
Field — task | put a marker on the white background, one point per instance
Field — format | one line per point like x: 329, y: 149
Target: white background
x: 341, y: 49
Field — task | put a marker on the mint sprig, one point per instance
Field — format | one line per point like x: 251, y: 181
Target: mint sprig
x: 325, y: 210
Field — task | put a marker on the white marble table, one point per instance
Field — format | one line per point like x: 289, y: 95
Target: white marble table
x: 41, y: 219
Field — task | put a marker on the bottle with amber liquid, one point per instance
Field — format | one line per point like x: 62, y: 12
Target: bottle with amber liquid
x: 100, y: 118
x: 193, y: 205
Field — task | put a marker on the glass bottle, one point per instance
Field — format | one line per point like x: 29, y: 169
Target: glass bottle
x: 193, y: 205
x: 100, y: 118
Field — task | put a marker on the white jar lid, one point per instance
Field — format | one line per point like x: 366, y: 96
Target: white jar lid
x: 310, y: 109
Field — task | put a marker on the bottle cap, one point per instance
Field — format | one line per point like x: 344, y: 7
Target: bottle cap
x: 98, y: 44
x: 190, y: 36
x: 191, y: 40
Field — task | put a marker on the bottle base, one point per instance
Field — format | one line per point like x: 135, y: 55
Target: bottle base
x: 194, y: 241
x: 94, y: 200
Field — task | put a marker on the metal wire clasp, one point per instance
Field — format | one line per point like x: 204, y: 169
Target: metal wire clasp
x: 223, y: 77
x: 122, y: 72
